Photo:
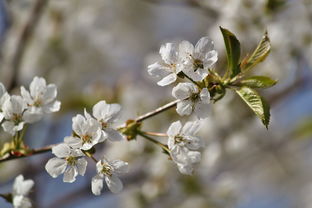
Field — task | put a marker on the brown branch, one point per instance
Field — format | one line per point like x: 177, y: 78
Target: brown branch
x: 32, y: 152
x: 23, y: 39
x: 157, y: 111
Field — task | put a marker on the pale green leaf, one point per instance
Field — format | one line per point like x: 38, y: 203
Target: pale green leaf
x: 233, y: 52
x: 259, y: 54
x: 259, y: 106
x: 258, y: 82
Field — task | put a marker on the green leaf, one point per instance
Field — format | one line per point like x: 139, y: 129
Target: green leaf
x: 259, y: 54
x: 258, y: 82
x: 233, y: 52
x: 259, y: 106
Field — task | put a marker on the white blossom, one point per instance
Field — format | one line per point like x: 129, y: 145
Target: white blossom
x: 183, y: 144
x: 13, y: 111
x: 191, y: 99
x: 197, y: 60
x: 107, y: 114
x: 3, y: 97
x: 87, y: 132
x: 41, y: 98
x: 168, y: 68
x: 108, y: 171
x: 21, y: 189
x: 68, y: 161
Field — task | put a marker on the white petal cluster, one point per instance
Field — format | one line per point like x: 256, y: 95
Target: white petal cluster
x: 68, y: 160
x: 40, y: 99
x: 187, y: 61
x: 21, y: 189
x: 87, y: 133
x: 169, y: 67
x: 89, y: 130
x: 106, y: 115
x: 183, y: 145
x: 108, y: 171
x: 192, y: 99
x: 197, y: 60
x: 15, y: 110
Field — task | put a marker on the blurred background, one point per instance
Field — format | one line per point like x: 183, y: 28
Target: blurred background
x: 100, y: 49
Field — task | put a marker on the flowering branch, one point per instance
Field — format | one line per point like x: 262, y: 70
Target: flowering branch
x: 49, y: 148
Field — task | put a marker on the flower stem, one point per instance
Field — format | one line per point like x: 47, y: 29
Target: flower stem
x: 90, y: 156
x: 155, y: 134
x: 189, y: 78
x: 163, y: 146
x: 157, y: 111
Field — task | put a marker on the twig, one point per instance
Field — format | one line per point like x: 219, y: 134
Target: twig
x: 23, y: 39
x: 155, y: 134
x: 157, y: 111
x: 33, y: 152
x: 163, y: 146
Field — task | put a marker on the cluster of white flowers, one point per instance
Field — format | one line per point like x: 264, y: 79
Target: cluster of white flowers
x: 88, y: 131
x: 16, y: 110
x: 21, y: 189
x: 186, y: 61
x: 183, y: 144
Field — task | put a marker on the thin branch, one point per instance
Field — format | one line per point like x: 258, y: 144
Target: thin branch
x: 23, y: 39
x: 157, y: 111
x: 163, y: 146
x: 33, y: 152
x: 155, y: 134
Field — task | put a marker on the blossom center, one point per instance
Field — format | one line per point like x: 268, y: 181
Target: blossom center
x: 86, y: 139
x: 106, y: 170
x: 198, y: 64
x: 104, y: 124
x: 17, y: 118
x: 194, y: 97
x: 37, y: 103
x: 71, y: 160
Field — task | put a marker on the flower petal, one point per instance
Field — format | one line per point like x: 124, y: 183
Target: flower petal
x: 81, y: 166
x: 203, y: 46
x: 169, y: 53
x: 174, y: 129
x: 191, y: 128
x: 184, y: 107
x: 184, y: 90
x: 20, y: 201
x: 61, y: 150
x: 205, y: 95
x: 21, y: 186
x: 49, y: 94
x: 210, y: 59
x: 97, y: 185
x: 171, y: 78
x: 73, y: 142
x: 36, y: 87
x: 70, y: 174
x: 202, y: 110
x: 79, y: 124
x: 99, y: 109
x: 185, y: 169
x: 158, y: 70
x: 186, y: 49
x: 113, y: 135
x: 114, y: 184
x: 120, y: 167
x: 56, y: 166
